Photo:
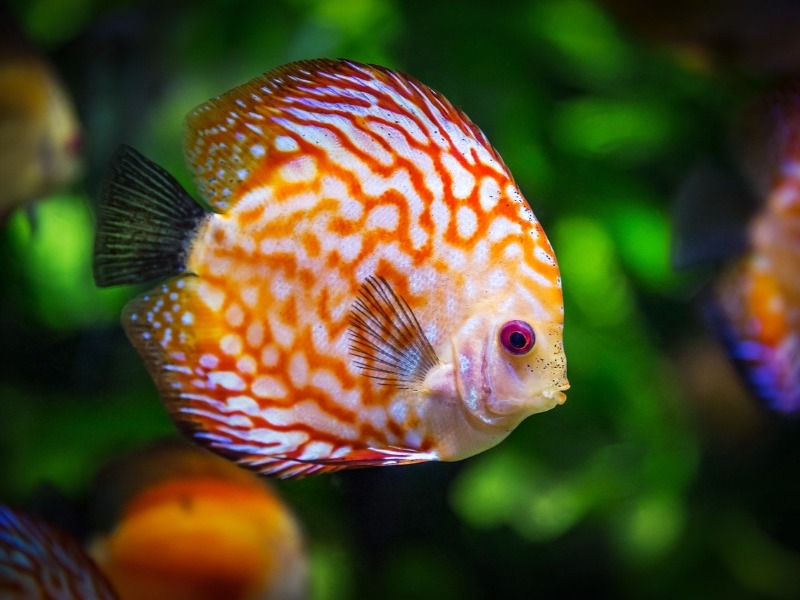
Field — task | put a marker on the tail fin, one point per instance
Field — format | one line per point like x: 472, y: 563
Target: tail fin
x: 145, y: 222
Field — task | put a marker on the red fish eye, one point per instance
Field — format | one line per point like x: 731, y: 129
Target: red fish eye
x: 517, y: 337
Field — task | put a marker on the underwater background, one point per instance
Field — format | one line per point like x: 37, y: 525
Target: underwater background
x: 660, y: 475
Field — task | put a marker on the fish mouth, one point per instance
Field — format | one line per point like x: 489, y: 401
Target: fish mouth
x: 556, y: 394
x: 543, y: 401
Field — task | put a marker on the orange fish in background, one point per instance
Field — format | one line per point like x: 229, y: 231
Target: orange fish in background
x: 369, y: 287
x: 181, y: 523
x: 755, y: 302
x: 39, y: 562
x: 40, y: 137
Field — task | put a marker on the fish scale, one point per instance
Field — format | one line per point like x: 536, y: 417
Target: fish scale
x: 325, y: 174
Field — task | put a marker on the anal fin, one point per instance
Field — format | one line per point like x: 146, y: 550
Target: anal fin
x: 168, y: 326
x: 293, y: 466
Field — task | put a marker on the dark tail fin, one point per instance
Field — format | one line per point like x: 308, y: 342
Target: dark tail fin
x: 145, y: 222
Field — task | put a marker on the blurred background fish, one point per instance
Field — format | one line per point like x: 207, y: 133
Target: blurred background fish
x: 41, y: 141
x: 176, y: 522
x: 166, y: 521
x: 38, y: 561
x: 754, y: 305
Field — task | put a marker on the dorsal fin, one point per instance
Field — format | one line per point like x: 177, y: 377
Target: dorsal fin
x: 321, y: 104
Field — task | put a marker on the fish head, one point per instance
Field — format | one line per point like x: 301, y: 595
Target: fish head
x: 509, y: 363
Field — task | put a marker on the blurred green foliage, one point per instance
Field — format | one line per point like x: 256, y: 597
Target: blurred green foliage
x: 56, y: 268
x: 641, y: 485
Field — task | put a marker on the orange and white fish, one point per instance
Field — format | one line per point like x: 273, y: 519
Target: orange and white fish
x: 369, y: 287
x: 39, y: 562
x: 754, y: 305
x: 180, y: 523
x: 40, y: 136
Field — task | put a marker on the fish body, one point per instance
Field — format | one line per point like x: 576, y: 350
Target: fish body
x: 180, y: 523
x: 369, y: 287
x: 40, y: 135
x: 39, y: 562
x: 756, y: 300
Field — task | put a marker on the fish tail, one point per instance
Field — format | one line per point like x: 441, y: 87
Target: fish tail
x: 145, y: 222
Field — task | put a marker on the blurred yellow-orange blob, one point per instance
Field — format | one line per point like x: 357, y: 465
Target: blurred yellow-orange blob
x: 40, y: 136
x: 188, y: 525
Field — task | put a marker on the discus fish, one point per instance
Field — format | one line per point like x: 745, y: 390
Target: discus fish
x: 180, y: 523
x: 369, y: 286
x: 755, y: 303
x: 40, y: 136
x: 37, y: 561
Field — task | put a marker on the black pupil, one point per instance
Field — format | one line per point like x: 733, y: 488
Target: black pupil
x: 518, y: 339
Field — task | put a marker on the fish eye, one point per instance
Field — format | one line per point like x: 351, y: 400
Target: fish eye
x: 517, y: 337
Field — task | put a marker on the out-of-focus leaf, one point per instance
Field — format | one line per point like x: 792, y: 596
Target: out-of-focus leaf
x: 589, y: 270
x: 55, y: 257
x: 590, y: 48
x: 628, y: 131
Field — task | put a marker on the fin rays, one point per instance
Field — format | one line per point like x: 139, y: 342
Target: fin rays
x: 386, y: 337
x: 145, y: 222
